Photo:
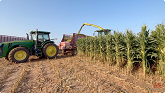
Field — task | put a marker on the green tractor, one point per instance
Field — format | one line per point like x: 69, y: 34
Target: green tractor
x: 39, y: 45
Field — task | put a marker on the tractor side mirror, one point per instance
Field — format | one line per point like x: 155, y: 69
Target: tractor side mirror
x: 27, y: 36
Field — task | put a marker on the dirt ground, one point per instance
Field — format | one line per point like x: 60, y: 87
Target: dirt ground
x: 72, y: 74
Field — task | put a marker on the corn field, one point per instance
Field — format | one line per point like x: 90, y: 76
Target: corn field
x: 145, y: 48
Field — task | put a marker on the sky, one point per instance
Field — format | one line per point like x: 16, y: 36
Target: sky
x: 18, y: 17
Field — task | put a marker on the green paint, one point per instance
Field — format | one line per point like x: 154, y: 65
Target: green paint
x: 8, y: 46
x: 46, y: 43
x: 25, y: 43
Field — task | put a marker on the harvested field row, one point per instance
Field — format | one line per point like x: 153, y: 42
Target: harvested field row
x: 72, y: 74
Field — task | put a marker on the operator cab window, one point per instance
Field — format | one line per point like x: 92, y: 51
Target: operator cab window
x: 43, y: 37
x: 34, y: 37
x: 101, y: 34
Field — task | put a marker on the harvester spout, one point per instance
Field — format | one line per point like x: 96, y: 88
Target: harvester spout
x: 89, y: 25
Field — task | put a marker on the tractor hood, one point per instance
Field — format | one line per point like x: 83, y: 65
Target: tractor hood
x: 20, y: 41
x: 25, y: 43
x: 5, y: 47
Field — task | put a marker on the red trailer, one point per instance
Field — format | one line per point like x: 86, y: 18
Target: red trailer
x: 68, y: 43
x: 5, y: 38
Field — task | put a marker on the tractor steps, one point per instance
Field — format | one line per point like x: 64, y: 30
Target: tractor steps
x: 39, y: 51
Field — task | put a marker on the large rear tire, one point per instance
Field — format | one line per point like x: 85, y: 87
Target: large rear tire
x: 50, y: 50
x: 19, y: 54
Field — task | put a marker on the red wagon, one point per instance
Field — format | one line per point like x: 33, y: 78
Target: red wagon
x: 68, y: 43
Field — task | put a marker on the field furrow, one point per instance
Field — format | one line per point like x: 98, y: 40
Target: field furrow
x: 69, y: 74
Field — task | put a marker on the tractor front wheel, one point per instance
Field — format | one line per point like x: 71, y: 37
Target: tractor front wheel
x: 50, y: 50
x: 6, y: 58
x: 18, y: 54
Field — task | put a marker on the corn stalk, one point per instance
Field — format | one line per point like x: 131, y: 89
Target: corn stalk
x: 81, y: 46
x: 110, y: 48
x: 102, y: 44
x: 96, y: 47
x: 159, y: 35
x: 131, y: 48
x: 118, y: 40
x: 148, y: 49
x: 91, y: 40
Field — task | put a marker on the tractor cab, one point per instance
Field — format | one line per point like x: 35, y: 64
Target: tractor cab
x: 103, y: 32
x: 40, y: 36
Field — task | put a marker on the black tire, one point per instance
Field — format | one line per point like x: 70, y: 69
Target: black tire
x: 74, y: 52
x: 6, y: 58
x: 45, y: 48
x: 12, y: 58
x: 64, y: 52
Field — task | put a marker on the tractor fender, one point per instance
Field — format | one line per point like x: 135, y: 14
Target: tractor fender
x: 18, y: 46
x: 44, y: 43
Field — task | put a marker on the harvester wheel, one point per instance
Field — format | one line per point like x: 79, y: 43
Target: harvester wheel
x: 74, y: 52
x: 50, y: 50
x: 18, y: 54
x: 64, y: 52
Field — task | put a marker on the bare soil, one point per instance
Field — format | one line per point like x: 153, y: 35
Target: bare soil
x: 73, y: 74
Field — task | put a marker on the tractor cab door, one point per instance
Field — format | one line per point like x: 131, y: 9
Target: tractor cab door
x: 39, y: 39
x: 42, y: 38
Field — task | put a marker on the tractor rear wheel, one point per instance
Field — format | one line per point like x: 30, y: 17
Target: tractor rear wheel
x: 50, y: 50
x: 19, y: 54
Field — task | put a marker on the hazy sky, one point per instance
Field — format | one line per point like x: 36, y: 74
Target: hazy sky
x: 18, y: 17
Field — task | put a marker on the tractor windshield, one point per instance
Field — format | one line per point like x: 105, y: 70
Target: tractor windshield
x: 43, y: 37
x: 68, y: 37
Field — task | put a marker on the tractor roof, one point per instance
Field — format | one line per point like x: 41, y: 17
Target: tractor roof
x: 45, y: 32
x: 103, y: 30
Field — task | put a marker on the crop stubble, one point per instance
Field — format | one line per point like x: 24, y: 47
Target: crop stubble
x: 67, y: 74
